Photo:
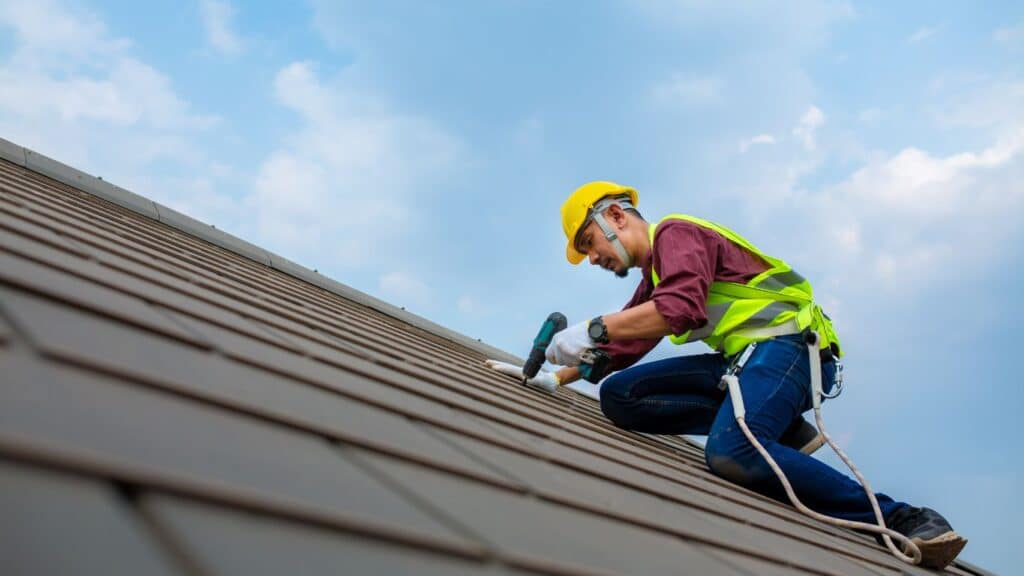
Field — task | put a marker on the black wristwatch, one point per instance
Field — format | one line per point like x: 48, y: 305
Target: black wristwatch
x: 598, y: 331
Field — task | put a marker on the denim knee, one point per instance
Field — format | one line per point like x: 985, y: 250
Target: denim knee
x: 614, y: 402
x: 730, y: 455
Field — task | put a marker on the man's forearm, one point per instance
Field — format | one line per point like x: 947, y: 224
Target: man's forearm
x: 643, y: 321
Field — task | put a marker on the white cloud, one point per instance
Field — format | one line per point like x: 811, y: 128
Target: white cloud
x: 847, y: 236
x: 1012, y: 36
x: 869, y: 115
x: 217, y: 19
x: 922, y: 34
x: 688, y: 89
x: 795, y: 25
x: 49, y: 35
x: 74, y: 91
x: 199, y: 192
x: 759, y: 139
x: 405, y: 289
x: 910, y: 218
x: 130, y: 93
x: 354, y: 181
x: 468, y: 305
x: 913, y: 181
x: 288, y: 197
x: 903, y: 220
x: 810, y: 122
x: 348, y: 185
x: 980, y: 101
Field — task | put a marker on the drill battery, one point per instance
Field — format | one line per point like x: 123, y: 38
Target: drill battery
x: 594, y: 365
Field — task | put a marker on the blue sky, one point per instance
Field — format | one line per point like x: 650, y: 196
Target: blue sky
x: 420, y: 152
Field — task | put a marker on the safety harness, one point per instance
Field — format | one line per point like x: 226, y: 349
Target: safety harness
x: 777, y: 302
x: 731, y: 381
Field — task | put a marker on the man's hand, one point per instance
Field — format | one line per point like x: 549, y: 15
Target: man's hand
x: 567, y: 345
x: 546, y: 381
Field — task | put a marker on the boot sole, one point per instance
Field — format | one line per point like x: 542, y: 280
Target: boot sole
x: 940, y: 551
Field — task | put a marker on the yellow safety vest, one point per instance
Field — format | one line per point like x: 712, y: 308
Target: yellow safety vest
x: 737, y: 311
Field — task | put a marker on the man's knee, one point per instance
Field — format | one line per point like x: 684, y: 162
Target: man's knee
x: 615, y: 404
x: 729, y: 455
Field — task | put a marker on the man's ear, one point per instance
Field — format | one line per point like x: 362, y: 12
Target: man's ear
x: 617, y: 215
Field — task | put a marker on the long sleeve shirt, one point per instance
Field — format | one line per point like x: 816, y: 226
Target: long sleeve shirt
x: 687, y: 258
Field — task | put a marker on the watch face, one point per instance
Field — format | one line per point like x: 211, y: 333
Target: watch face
x: 596, y: 330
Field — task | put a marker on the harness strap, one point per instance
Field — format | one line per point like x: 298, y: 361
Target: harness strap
x: 911, y: 554
x: 785, y: 329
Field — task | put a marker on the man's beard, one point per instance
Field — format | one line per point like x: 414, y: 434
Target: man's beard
x: 624, y: 273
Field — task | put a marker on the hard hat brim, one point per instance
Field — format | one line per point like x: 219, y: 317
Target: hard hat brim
x: 572, y: 255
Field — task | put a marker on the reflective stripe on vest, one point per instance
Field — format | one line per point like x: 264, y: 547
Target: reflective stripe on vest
x: 775, y: 296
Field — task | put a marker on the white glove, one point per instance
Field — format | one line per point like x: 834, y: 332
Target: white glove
x: 546, y: 381
x: 567, y: 345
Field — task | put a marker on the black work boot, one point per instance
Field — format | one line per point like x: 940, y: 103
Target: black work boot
x: 938, y: 542
x: 802, y: 436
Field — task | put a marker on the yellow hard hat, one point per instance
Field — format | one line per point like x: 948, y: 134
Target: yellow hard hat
x: 577, y: 208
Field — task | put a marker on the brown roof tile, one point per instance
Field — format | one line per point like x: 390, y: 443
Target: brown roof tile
x: 536, y: 533
x: 224, y: 540
x: 57, y: 523
x: 176, y: 400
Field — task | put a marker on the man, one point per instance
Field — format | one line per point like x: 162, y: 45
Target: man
x: 702, y: 281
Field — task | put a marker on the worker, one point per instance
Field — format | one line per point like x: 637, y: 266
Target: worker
x: 701, y: 281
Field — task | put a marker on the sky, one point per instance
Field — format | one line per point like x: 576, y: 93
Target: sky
x: 420, y: 151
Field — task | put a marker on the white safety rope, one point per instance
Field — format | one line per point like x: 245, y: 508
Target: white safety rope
x: 733, y: 383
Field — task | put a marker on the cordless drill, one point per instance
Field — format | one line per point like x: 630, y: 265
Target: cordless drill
x: 556, y: 322
x: 594, y: 365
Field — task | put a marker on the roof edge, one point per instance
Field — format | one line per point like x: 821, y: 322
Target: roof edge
x: 104, y: 190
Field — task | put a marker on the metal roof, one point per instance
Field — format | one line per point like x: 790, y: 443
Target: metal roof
x: 176, y: 400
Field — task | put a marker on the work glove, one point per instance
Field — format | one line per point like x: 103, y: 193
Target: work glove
x: 546, y: 381
x: 567, y: 345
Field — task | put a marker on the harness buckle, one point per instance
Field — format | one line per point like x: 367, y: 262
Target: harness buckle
x: 837, y: 382
x: 737, y: 364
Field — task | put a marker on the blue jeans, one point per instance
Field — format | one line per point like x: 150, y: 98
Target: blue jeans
x: 681, y: 396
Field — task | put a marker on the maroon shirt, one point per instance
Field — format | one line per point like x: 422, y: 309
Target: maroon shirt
x: 688, y: 258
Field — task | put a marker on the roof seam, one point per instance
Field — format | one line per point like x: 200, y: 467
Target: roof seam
x: 204, y: 491
x: 579, y: 440
x: 97, y: 187
x: 562, y: 424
